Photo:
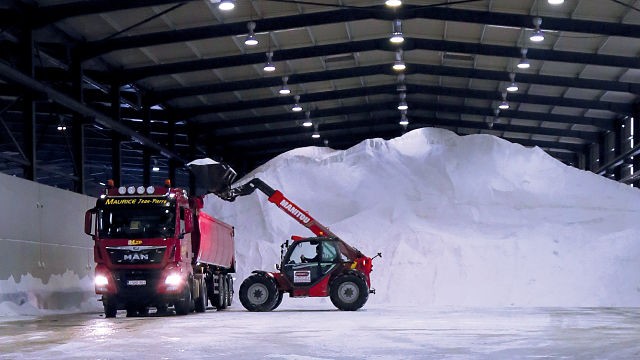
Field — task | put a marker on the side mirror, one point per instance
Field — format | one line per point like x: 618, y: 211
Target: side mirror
x: 89, y: 222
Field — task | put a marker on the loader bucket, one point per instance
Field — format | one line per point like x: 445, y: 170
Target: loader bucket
x: 211, y: 176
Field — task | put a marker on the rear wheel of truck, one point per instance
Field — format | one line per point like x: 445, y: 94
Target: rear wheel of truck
x: 201, y: 301
x: 110, y: 308
x: 258, y: 293
x: 183, y: 305
x: 229, y: 290
x: 221, y: 298
x: 349, y: 292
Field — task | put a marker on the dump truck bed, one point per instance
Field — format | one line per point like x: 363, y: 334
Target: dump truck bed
x: 213, y: 244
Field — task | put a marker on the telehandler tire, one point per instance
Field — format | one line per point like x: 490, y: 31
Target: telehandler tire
x: 349, y: 292
x: 278, y: 301
x: 258, y: 293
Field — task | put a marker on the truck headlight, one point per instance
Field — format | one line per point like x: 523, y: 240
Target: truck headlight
x: 173, y: 280
x: 101, y: 280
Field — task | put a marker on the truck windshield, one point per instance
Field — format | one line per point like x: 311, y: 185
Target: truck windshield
x: 136, y: 223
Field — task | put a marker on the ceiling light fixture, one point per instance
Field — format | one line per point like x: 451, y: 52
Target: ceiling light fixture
x: 399, y: 65
x: 504, y: 105
x: 524, y: 63
x: 269, y: 66
x: 284, y: 90
x: 316, y: 134
x: 401, y: 87
x: 251, y: 39
x: 555, y: 2
x: 307, y: 122
x: 537, y: 35
x: 404, y: 121
x: 393, y: 3
x: 226, y: 5
x: 62, y: 126
x: 403, y: 103
x: 396, y: 35
x: 296, y: 106
x: 513, y: 87
x: 155, y: 168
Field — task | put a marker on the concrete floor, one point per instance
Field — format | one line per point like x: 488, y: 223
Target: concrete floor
x: 319, y: 331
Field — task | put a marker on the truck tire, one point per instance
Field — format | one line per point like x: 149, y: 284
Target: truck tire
x: 201, y: 301
x: 229, y: 290
x: 110, y: 308
x: 183, y: 305
x: 221, y: 298
x: 349, y: 292
x: 258, y: 293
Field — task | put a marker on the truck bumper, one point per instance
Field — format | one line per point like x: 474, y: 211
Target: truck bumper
x: 140, y: 288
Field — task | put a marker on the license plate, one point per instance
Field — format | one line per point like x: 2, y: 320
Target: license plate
x: 137, y: 282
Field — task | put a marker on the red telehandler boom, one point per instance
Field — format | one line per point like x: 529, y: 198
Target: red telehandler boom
x: 320, y: 266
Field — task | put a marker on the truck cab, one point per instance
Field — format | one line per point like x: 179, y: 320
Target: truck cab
x: 142, y: 249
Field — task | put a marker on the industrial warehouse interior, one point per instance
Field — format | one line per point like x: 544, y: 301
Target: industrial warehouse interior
x: 484, y: 148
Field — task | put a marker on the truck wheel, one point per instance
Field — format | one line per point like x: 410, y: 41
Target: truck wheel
x: 201, y: 302
x: 349, y: 292
x: 229, y: 290
x: 258, y: 293
x: 131, y: 312
x: 161, y: 309
x: 110, y: 308
x: 183, y: 305
x: 221, y: 299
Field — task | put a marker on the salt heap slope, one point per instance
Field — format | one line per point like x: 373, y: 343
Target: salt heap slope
x: 461, y: 221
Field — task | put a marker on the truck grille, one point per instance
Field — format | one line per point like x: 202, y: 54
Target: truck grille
x: 137, y: 286
x: 136, y: 254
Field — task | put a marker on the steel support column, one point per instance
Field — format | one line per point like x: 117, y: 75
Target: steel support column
x: 78, y: 130
x: 116, y: 138
x: 28, y: 106
x: 146, y: 154
x: 171, y: 144
x: 192, y: 135
x: 635, y: 141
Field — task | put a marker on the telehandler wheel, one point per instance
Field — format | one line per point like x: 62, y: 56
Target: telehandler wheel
x: 183, y: 305
x: 201, y: 302
x: 258, y: 293
x: 349, y: 292
x: 278, y: 300
x: 110, y: 308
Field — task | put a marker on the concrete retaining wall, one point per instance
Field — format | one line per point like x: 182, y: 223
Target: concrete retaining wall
x: 47, y: 259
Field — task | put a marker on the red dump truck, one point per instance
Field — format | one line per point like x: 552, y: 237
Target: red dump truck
x: 156, y: 247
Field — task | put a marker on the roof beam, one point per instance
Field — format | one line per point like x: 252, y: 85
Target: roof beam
x: 420, y: 121
x: 381, y: 44
x: 412, y: 68
x: 338, y: 137
x: 391, y: 89
x: 96, y: 48
x: 45, y: 15
x: 414, y: 105
x: 14, y: 76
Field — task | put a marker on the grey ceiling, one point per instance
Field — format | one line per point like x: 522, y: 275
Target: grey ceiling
x: 184, y: 67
